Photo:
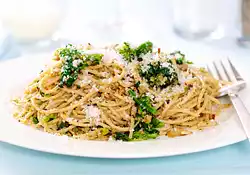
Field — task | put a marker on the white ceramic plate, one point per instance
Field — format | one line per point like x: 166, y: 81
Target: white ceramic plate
x: 15, y: 74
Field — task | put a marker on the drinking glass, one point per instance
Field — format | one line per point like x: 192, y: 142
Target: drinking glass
x: 244, y: 40
x: 32, y: 23
x: 95, y: 21
x: 196, y: 19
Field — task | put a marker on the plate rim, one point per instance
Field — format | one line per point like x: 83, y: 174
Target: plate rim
x: 119, y: 157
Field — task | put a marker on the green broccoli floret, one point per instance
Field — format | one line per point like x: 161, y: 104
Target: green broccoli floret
x: 122, y: 136
x: 69, y: 72
x: 143, y: 130
x: 93, y: 59
x: 63, y: 125
x: 143, y: 103
x: 159, y: 76
x: 49, y: 118
x: 136, y: 53
x: 35, y: 120
x: 143, y: 49
x: 144, y: 136
x: 127, y: 52
x: 181, y: 59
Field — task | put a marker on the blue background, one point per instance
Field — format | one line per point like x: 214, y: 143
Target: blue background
x: 234, y: 159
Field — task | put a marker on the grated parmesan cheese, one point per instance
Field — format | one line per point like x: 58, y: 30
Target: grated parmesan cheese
x: 104, y: 74
x: 110, y: 138
x: 109, y: 55
x: 85, y: 82
x: 177, y: 56
x: 151, y: 96
x: 166, y: 64
x: 94, y: 88
x: 93, y: 114
x: 76, y: 63
x: 107, y: 80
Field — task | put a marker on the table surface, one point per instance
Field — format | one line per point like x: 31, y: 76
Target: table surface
x: 233, y: 159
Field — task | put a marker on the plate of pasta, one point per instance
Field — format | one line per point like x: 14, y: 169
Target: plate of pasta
x: 118, y: 101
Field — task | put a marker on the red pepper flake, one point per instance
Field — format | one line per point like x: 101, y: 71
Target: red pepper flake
x: 212, y: 116
x: 189, y: 85
x: 159, y: 50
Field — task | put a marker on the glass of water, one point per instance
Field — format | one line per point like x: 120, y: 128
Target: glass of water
x: 33, y: 24
x: 244, y: 40
x: 196, y: 19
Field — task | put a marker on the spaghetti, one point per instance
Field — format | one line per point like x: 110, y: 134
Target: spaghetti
x: 92, y: 94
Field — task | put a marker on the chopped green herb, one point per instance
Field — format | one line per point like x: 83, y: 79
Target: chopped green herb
x: 35, y: 120
x: 44, y: 95
x: 63, y: 125
x: 104, y: 131
x: 122, y: 136
x: 137, y: 84
x: 203, y: 70
x: 76, y: 129
x: 49, y: 118
x: 189, y: 62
